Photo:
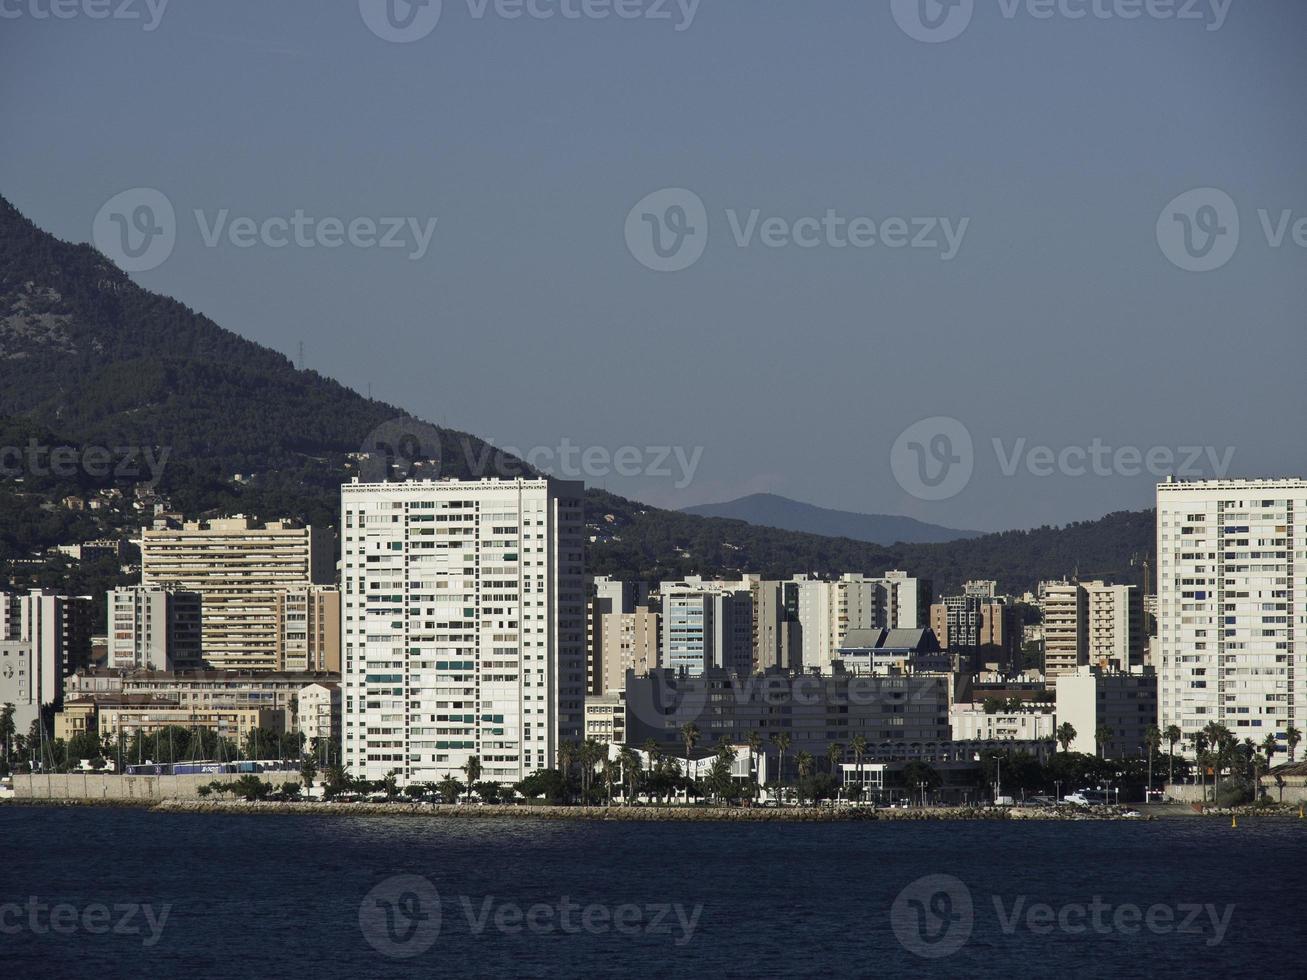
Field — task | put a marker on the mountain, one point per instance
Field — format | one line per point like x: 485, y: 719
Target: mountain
x: 773, y: 510
x: 94, y: 364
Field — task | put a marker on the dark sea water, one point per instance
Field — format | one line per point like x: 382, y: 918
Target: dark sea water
x: 328, y: 897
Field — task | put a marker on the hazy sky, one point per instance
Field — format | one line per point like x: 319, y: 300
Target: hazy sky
x: 1050, y: 301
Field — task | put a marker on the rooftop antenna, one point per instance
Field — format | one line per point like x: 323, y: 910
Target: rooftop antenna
x: 301, y: 355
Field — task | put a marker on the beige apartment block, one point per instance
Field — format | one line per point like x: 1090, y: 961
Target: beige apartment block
x: 631, y: 641
x: 308, y: 629
x: 1066, y: 633
x: 239, y: 567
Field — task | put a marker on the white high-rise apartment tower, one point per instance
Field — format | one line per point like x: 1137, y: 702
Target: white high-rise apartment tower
x: 462, y: 626
x: 1232, y: 606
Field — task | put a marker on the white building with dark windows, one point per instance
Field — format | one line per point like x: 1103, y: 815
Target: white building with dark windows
x: 463, y: 624
x: 1232, y: 606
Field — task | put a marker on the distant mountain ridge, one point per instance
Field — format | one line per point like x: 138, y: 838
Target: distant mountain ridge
x: 773, y: 510
x: 89, y: 358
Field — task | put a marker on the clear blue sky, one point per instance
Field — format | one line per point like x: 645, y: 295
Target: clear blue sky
x: 528, y: 321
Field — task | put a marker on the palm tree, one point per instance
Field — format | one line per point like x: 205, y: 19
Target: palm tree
x: 858, y: 746
x: 472, y: 769
x: 1173, y: 735
x: 1066, y: 734
x: 804, y: 762
x: 1270, y: 746
x: 630, y: 763
x: 654, y: 755
x: 1152, y: 739
x: 567, y: 751
x: 1200, y: 757
x: 754, y: 741
x: 591, y: 752
x: 782, y: 742
x: 8, y: 731
x: 1102, y: 735
x: 1292, y: 737
x: 690, y: 736
x: 834, y: 752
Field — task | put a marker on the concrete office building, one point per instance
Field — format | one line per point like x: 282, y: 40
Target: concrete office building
x: 605, y: 718
x: 631, y: 641
x: 777, y: 638
x: 1114, y: 618
x: 815, y: 710
x: 27, y: 681
x: 983, y: 627
x: 971, y: 722
x: 463, y: 626
x: 1065, y: 608
x: 154, y: 628
x: 1090, y: 698
x: 707, y: 625
x: 317, y: 712
x: 1232, y: 606
x: 308, y: 629
x: 607, y: 596
x: 239, y: 567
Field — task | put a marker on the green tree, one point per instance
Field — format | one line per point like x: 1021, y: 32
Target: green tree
x: 1152, y: 739
x: 7, y: 733
x: 782, y: 742
x: 859, y: 748
x: 1102, y: 735
x: 1066, y: 734
x: 1173, y: 735
x: 472, y: 769
x: 803, y: 762
x: 754, y: 741
x: 308, y: 772
x: 689, y: 738
x: 834, y: 753
x: 449, y: 788
x: 1292, y: 737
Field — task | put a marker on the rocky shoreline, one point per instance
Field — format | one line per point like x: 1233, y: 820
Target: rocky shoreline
x: 641, y: 813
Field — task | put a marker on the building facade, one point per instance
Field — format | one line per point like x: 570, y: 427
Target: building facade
x: 707, y: 625
x: 308, y: 629
x: 1118, y: 706
x: 154, y: 628
x: 239, y: 567
x: 631, y: 641
x: 463, y: 626
x: 1232, y: 606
